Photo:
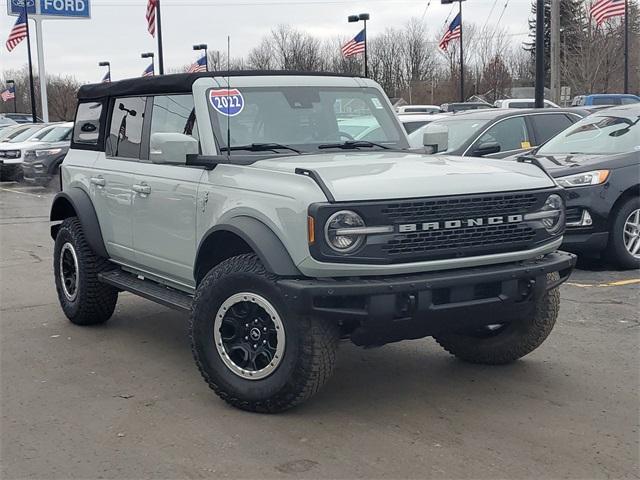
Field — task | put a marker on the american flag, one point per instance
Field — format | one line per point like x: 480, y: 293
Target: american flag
x: 354, y: 46
x: 151, y: 17
x: 106, y: 78
x: 199, y: 65
x: 18, y: 32
x: 453, y: 31
x: 8, y: 94
x: 148, y: 72
x: 601, y: 10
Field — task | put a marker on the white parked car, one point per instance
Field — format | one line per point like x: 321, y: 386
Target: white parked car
x: 522, y: 103
x: 418, y: 109
x: 413, y: 121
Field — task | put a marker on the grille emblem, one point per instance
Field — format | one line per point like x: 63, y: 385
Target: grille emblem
x: 453, y: 224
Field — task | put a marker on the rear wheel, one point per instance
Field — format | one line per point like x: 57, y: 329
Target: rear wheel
x: 251, y: 350
x: 500, y: 344
x: 83, y: 298
x: 624, y: 240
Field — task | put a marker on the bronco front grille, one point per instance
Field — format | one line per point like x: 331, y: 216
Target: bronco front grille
x: 440, y: 242
x: 438, y: 228
x: 459, y: 207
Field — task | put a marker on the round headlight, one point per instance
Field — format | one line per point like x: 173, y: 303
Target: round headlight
x: 554, y: 221
x: 336, y: 231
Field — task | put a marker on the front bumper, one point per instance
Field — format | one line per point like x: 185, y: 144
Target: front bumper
x: 391, y: 308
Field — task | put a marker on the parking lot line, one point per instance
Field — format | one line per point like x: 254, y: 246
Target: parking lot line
x: 618, y: 283
x: 19, y: 192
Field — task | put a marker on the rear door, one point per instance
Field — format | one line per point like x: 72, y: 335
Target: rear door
x: 112, y: 177
x: 545, y: 126
x: 164, y: 206
x: 511, y: 134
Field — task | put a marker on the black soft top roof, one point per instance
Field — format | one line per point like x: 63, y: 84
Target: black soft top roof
x: 175, y: 83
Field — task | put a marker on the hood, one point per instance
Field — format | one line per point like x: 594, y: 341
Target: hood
x: 378, y: 175
x: 17, y: 145
x: 33, y: 145
x: 559, y: 165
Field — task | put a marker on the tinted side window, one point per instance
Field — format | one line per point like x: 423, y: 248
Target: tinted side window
x: 125, y: 132
x: 174, y: 114
x: 413, y: 126
x: 548, y: 126
x: 510, y: 134
x: 606, y: 101
x: 628, y: 100
x: 86, y: 130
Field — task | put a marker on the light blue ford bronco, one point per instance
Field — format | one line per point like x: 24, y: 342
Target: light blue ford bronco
x: 284, y: 212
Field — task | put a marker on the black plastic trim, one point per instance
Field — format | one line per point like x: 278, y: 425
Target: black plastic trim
x: 81, y: 204
x: 313, y: 175
x: 262, y: 241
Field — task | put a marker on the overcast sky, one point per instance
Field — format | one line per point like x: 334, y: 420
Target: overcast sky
x: 117, y: 30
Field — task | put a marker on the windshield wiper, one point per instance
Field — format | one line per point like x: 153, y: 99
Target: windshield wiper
x: 352, y: 144
x: 261, y: 147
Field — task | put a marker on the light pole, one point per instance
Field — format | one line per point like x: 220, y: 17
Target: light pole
x: 539, y: 85
x: 108, y: 65
x: 15, y: 95
x: 356, y: 18
x: 203, y: 46
x: 150, y: 55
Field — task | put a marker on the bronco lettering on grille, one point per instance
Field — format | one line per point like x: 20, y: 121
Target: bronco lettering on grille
x: 450, y: 224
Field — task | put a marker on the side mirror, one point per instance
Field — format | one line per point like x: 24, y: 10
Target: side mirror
x: 487, y: 148
x: 436, y: 141
x: 171, y: 148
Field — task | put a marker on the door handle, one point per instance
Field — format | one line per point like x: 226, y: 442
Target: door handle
x: 98, y: 181
x: 141, y: 188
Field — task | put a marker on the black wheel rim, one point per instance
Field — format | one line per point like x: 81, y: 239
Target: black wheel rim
x: 249, y: 336
x: 69, y: 271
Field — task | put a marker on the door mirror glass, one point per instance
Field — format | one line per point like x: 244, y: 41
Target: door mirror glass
x: 487, y: 148
x: 436, y: 139
x: 171, y: 148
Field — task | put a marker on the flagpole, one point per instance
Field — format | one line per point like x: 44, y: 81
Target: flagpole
x: 160, y: 52
x: 626, y: 46
x: 33, y: 95
x: 461, y: 57
x: 366, y: 63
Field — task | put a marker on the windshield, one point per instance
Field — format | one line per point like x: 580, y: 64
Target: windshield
x: 305, y: 118
x: 460, y: 130
x: 598, y: 135
x: 25, y: 134
x: 56, y: 134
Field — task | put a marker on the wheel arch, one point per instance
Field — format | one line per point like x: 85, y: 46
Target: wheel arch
x: 243, y: 235
x: 630, y: 192
x: 75, y: 202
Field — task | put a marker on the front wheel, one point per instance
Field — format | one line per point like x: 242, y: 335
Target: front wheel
x: 251, y: 350
x: 501, y: 344
x: 624, y: 240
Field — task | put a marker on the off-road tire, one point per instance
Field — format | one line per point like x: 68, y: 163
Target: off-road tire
x: 512, y: 341
x: 310, y: 347
x: 616, y: 250
x: 95, y: 301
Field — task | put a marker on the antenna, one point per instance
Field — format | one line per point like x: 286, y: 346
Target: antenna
x: 228, y: 99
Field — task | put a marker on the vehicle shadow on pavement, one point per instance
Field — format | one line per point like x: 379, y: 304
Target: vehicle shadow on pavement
x: 414, y: 375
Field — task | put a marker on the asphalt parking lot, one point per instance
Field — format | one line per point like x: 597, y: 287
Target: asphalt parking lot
x: 125, y: 400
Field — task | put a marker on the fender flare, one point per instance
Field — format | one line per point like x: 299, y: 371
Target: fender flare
x: 262, y: 240
x: 76, y: 202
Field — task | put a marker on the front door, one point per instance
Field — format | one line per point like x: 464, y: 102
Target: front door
x: 165, y: 199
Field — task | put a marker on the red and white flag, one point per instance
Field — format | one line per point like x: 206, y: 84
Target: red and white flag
x: 151, y: 17
x: 602, y: 10
x: 18, y: 32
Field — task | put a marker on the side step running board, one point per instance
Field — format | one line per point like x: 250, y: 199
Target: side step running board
x: 148, y: 289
